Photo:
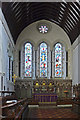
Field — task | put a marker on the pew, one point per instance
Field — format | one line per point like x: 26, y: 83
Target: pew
x: 7, y: 98
x: 3, y: 93
x: 11, y: 107
x: 0, y: 107
x: 76, y: 105
x: 64, y: 102
x: 4, y: 96
x: 14, y: 110
x: 7, y: 95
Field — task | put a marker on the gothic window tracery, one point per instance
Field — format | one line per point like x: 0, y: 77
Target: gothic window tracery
x: 58, y: 65
x: 43, y: 29
x: 43, y: 60
x: 58, y: 60
x: 28, y: 60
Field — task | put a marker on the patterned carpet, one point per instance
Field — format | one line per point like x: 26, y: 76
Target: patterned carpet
x: 52, y: 113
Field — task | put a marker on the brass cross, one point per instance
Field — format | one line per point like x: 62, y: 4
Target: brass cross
x: 14, y: 77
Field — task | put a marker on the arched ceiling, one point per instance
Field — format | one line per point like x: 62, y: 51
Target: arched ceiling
x: 20, y: 14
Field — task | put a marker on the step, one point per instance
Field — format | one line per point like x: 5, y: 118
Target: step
x: 47, y: 103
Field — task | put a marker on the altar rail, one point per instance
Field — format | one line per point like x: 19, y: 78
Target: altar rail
x: 40, y: 97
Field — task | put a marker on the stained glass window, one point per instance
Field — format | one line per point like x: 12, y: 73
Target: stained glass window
x: 43, y: 29
x: 43, y: 60
x: 58, y: 60
x: 28, y: 60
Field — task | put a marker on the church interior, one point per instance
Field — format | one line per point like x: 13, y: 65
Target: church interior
x: 40, y: 60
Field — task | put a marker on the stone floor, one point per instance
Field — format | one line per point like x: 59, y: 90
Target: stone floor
x: 42, y: 113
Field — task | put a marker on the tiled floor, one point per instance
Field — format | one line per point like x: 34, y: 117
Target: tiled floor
x: 52, y: 113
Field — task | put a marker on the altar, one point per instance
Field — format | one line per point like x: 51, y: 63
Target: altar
x: 45, y: 97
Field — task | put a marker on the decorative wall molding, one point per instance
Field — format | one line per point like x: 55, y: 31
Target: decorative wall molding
x: 44, y: 23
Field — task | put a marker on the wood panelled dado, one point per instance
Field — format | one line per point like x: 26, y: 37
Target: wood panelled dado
x: 63, y: 88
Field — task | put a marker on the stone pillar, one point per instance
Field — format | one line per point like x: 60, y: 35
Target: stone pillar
x: 16, y: 60
x: 11, y: 69
x: 69, y: 64
x: 79, y: 69
x: 53, y: 64
x: 0, y: 64
x: 33, y: 64
x: 64, y: 63
x: 79, y: 60
x: 22, y: 62
x: 1, y: 82
x: 0, y: 52
x: 37, y: 63
x: 49, y: 63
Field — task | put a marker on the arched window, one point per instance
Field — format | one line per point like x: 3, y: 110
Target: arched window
x: 28, y: 60
x: 43, y: 60
x: 58, y: 60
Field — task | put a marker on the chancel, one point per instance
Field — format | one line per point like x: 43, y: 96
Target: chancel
x: 39, y: 60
